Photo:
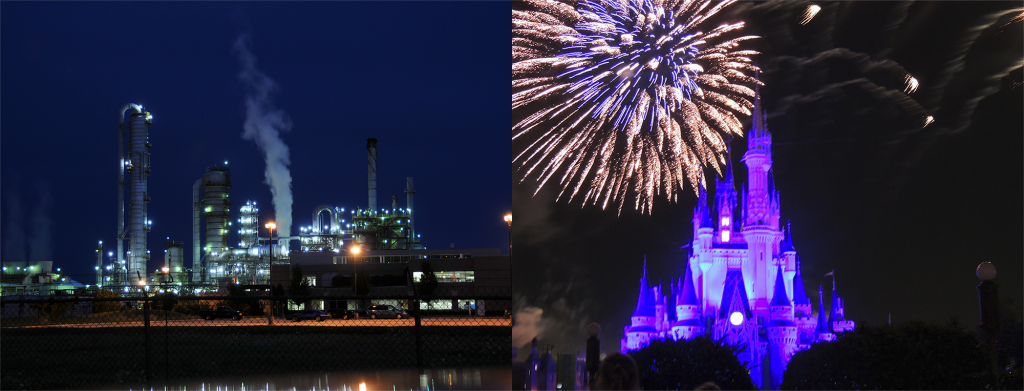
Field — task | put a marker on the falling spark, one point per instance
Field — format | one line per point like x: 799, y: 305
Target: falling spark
x: 928, y: 121
x: 621, y: 97
x: 1015, y: 19
x: 911, y: 84
x: 809, y: 13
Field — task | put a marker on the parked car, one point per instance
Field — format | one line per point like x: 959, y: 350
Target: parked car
x: 385, y: 311
x: 221, y: 312
x: 341, y: 313
x: 316, y: 315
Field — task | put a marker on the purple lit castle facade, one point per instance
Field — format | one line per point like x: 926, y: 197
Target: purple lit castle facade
x: 742, y: 283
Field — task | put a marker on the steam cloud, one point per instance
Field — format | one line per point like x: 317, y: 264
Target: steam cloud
x: 40, y: 246
x: 263, y: 125
x: 14, y: 234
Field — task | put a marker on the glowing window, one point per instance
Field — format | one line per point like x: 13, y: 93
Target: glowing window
x: 725, y: 221
x: 461, y: 276
x: 725, y: 236
x: 311, y: 280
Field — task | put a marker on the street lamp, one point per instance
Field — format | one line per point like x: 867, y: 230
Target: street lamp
x: 271, y: 226
x: 508, y: 219
x: 988, y: 301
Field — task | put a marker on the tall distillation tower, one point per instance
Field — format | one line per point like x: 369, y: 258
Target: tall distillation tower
x: 137, y: 166
x: 210, y: 197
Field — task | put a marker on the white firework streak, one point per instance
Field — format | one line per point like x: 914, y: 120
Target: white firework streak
x: 626, y: 97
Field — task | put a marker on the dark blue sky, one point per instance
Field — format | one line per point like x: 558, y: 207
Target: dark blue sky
x: 428, y: 80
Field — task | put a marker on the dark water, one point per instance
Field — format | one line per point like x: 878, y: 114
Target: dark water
x: 479, y: 378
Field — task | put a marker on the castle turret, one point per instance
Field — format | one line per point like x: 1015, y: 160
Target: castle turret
x: 822, y: 333
x: 688, y: 323
x: 782, y: 332
x: 645, y: 320
x: 837, y: 314
x: 725, y: 203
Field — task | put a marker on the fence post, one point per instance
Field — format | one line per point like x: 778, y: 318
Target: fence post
x: 145, y: 315
x: 419, y: 335
x: 270, y: 312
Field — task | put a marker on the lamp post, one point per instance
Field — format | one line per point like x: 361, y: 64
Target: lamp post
x: 988, y: 302
x: 355, y: 273
x: 163, y: 282
x: 271, y: 226
x: 508, y: 219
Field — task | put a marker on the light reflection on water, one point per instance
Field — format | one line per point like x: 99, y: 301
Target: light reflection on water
x: 476, y: 378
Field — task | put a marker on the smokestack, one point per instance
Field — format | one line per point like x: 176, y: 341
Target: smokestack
x: 409, y: 191
x: 371, y: 172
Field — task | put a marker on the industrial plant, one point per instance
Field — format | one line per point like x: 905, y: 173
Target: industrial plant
x: 382, y: 236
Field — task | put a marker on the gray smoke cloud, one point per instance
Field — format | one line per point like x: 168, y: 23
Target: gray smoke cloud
x: 40, y: 246
x: 14, y: 233
x: 264, y: 124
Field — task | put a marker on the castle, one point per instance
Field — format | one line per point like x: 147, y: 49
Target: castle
x: 742, y: 284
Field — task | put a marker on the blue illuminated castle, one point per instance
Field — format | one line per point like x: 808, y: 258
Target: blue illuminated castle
x: 742, y: 282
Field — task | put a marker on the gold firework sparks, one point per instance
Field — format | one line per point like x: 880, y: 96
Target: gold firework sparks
x: 809, y: 13
x: 620, y: 98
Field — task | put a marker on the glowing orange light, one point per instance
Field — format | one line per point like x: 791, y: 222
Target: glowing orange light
x: 271, y: 225
x: 508, y: 218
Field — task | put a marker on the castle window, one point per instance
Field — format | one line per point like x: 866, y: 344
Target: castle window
x: 725, y: 221
x: 725, y: 236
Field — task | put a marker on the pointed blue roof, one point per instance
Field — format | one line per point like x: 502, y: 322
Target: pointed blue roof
x: 705, y: 211
x: 799, y: 294
x: 688, y: 293
x: 833, y: 315
x: 787, y: 242
x: 734, y: 295
x: 779, y: 297
x: 644, y: 303
x: 822, y: 324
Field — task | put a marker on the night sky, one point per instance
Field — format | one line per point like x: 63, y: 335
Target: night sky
x: 902, y: 213
x: 424, y: 79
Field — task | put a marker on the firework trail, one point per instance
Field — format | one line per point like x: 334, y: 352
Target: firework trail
x: 621, y: 97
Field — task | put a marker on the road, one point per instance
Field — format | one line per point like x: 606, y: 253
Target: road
x: 474, y: 321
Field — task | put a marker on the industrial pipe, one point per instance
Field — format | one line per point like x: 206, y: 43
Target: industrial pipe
x: 371, y: 172
x: 197, y: 264
x: 120, y: 180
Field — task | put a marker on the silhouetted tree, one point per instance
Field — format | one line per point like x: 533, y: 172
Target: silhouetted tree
x: 428, y: 280
x: 912, y: 355
x: 362, y: 281
x: 686, y: 364
x: 298, y: 285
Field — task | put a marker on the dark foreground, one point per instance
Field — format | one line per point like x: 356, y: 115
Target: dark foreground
x: 61, y: 358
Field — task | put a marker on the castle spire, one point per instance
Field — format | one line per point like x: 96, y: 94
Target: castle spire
x: 822, y: 323
x: 644, y: 303
x: 780, y: 298
x: 799, y: 294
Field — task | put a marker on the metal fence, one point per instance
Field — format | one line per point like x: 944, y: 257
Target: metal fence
x: 59, y: 342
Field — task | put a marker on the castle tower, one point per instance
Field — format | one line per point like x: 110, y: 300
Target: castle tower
x: 760, y: 237
x: 782, y: 332
x: 725, y: 203
x: 822, y: 333
x: 688, y: 314
x: 644, y: 320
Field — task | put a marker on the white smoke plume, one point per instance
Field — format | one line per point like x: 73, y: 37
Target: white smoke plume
x: 14, y: 233
x: 40, y: 246
x: 264, y: 124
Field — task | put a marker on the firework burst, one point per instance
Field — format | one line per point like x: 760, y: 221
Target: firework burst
x: 626, y: 97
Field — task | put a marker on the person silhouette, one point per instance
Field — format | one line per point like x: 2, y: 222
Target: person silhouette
x: 618, y: 372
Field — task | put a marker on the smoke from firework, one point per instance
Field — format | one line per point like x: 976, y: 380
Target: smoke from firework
x: 625, y: 98
x: 263, y: 125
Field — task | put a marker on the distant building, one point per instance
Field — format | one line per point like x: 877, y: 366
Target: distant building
x: 743, y: 283
x: 460, y: 272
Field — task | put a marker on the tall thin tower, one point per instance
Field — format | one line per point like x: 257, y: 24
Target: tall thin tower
x: 138, y: 168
